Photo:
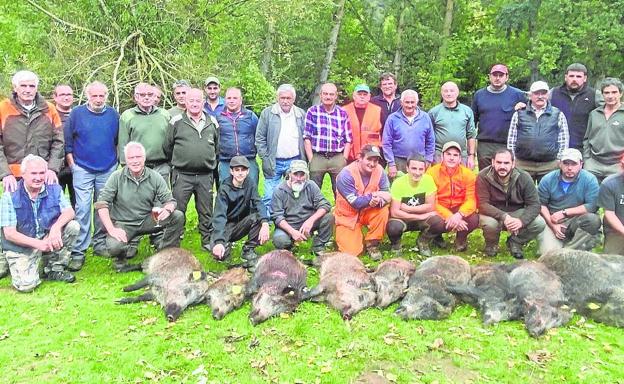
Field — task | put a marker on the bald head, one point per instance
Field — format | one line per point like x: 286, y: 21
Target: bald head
x: 329, y: 94
x: 450, y: 93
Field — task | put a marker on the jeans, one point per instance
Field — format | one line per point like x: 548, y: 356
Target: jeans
x: 270, y: 183
x: 85, y: 183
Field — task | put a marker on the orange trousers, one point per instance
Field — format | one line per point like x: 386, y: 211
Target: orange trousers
x: 351, y: 240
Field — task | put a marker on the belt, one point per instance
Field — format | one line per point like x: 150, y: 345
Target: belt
x: 152, y: 164
x: 328, y: 155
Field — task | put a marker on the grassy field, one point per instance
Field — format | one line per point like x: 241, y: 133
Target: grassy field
x: 75, y: 333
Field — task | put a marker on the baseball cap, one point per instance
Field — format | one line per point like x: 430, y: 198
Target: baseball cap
x: 361, y: 87
x: 239, y: 161
x: 299, y: 166
x: 212, y: 79
x: 572, y: 154
x: 539, y: 86
x: 499, y: 68
x: 371, y: 151
x: 451, y: 144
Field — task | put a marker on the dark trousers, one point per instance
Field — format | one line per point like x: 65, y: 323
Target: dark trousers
x: 65, y: 179
x: 473, y: 223
x: 236, y: 230
x: 429, y: 228
x: 323, y: 227
x: 200, y: 185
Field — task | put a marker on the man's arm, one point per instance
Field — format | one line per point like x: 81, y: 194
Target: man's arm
x: 484, y: 198
x: 512, y: 136
x: 123, y: 137
x: 261, y: 133
x: 57, y: 147
x: 307, y: 146
x: 117, y: 233
x: 614, y: 222
x: 563, y: 138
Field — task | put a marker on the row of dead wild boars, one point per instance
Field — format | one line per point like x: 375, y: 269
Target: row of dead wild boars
x: 344, y: 284
x: 489, y: 290
x: 391, y: 278
x: 174, y: 279
x: 428, y: 296
x: 277, y: 285
x: 539, y: 294
x: 592, y: 283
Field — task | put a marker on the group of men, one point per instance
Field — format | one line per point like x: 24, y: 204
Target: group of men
x: 167, y: 156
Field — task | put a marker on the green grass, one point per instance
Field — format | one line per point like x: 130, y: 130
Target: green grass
x: 75, y: 333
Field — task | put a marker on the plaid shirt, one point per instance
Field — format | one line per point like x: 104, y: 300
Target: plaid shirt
x: 8, y: 217
x: 563, y: 138
x: 327, y: 131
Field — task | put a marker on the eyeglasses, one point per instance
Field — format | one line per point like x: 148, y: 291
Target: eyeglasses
x: 145, y: 94
x: 181, y: 93
x: 65, y: 94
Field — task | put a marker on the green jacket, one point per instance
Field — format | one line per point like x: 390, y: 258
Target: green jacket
x: 604, y: 139
x: 190, y: 150
x: 130, y: 200
x: 148, y: 129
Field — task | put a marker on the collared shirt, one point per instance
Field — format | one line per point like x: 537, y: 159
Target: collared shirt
x: 563, y: 138
x: 199, y: 125
x: 8, y: 217
x: 453, y: 124
x: 327, y: 131
x: 288, y: 140
x: 220, y: 107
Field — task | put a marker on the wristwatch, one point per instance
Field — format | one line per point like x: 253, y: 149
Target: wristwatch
x: 565, y: 213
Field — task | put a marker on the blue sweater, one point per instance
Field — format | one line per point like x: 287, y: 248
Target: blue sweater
x: 92, y: 138
x: 493, y: 112
x: 402, y: 139
x: 583, y: 190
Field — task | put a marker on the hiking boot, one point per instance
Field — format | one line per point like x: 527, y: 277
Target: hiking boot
x: 423, y: 247
x: 63, y: 276
x: 396, y: 249
x: 461, y: 245
x: 374, y: 252
x: 491, y: 250
x: 76, y: 264
x: 439, y: 242
x: 515, y: 249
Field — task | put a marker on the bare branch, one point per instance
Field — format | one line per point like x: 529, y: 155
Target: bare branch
x: 106, y: 13
x: 122, y: 51
x: 67, y: 23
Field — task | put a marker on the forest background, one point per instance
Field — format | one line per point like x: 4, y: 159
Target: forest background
x: 259, y: 44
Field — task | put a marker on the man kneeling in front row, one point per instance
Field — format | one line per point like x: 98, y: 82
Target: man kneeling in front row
x: 299, y: 209
x: 37, y: 226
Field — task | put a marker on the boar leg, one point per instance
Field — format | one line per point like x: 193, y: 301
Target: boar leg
x: 147, y: 296
x: 138, y: 285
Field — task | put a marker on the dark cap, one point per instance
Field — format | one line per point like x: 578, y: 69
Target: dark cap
x: 370, y: 151
x: 451, y: 144
x: 239, y: 161
x: 499, y: 68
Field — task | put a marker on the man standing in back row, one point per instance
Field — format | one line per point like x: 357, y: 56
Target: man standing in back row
x: 493, y: 107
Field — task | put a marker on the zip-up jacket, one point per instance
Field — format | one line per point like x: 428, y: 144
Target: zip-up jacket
x: 495, y: 202
x: 455, y: 190
x: 23, y: 132
x: 576, y: 110
x: 190, y: 150
x: 237, y: 135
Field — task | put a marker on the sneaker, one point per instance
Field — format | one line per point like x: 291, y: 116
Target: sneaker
x: 515, y: 249
x: 374, y: 252
x: 461, y: 245
x: 491, y: 250
x: 64, y: 276
x: 76, y: 264
x: 439, y: 242
x: 423, y: 247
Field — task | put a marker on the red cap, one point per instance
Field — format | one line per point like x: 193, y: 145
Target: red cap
x: 499, y: 68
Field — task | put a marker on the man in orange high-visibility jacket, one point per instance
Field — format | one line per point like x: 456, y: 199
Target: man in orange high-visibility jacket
x: 363, y: 199
x: 456, y: 198
x: 365, y: 121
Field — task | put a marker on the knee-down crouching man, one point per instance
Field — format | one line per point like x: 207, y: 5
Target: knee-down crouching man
x: 362, y: 200
x: 413, y: 207
x: 299, y: 209
x: 135, y: 201
x: 568, y: 197
x: 611, y: 198
x: 507, y: 200
x: 37, y: 227
x: 239, y: 212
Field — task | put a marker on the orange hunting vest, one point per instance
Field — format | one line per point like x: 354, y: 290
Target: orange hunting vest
x: 344, y: 213
x: 369, y: 132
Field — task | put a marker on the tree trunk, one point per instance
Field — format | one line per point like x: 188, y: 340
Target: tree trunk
x: 446, y: 33
x: 331, y: 47
x: 398, y: 41
x: 265, y: 65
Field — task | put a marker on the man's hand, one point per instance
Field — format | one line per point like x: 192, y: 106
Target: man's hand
x: 297, y: 235
x: 218, y: 251
x: 306, y: 227
x: 392, y: 171
x: 118, y: 234
x: 50, y: 177
x: 55, y: 238
x: 470, y: 163
x: 374, y: 201
x: 512, y: 224
x: 559, y: 231
x: 456, y: 223
x: 557, y: 217
x: 519, y: 105
x: 9, y: 183
x: 263, y: 237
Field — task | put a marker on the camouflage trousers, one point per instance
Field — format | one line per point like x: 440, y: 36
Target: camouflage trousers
x: 4, y: 266
x: 26, y: 267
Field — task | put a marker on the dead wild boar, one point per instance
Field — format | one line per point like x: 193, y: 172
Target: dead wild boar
x: 490, y: 292
x: 592, y: 283
x: 277, y: 285
x: 228, y: 292
x: 540, y: 296
x: 391, y: 279
x: 175, y: 280
x: 428, y: 296
x: 344, y: 284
